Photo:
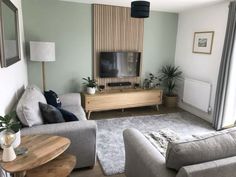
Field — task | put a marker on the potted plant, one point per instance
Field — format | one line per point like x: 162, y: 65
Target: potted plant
x: 9, y: 123
x: 91, y: 85
x: 150, y: 82
x: 169, y: 75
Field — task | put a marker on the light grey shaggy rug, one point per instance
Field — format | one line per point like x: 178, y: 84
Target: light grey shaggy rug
x: 110, y: 146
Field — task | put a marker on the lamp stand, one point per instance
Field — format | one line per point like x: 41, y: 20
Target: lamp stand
x: 8, y: 154
x: 43, y: 75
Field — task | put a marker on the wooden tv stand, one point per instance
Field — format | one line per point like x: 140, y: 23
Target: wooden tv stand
x: 120, y: 99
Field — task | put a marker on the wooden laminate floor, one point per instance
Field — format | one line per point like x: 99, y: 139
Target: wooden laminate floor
x: 97, y: 170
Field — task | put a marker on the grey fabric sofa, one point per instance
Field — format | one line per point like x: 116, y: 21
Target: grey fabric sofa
x: 82, y: 133
x: 144, y: 160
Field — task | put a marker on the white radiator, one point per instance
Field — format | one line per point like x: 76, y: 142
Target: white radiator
x: 197, y: 94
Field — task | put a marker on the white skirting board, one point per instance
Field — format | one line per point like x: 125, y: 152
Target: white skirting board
x: 197, y: 94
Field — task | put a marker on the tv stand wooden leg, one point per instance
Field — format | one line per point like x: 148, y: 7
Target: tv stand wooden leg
x: 157, y: 106
x: 88, y: 114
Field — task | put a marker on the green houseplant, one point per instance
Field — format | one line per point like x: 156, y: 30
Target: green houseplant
x: 169, y: 75
x: 9, y: 123
x: 151, y: 81
x: 91, y: 85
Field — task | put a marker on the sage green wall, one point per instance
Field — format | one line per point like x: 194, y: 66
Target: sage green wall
x: 69, y: 25
x: 160, y: 31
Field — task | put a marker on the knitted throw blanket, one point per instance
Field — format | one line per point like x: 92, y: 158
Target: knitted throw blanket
x: 160, y: 139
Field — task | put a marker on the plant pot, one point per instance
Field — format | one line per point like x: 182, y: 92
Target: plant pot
x: 91, y: 90
x: 151, y: 85
x: 17, y: 141
x: 170, y: 101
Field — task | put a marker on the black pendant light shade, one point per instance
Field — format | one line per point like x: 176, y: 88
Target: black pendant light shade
x: 140, y: 9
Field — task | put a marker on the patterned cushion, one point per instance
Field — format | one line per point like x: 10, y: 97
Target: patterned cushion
x: 52, y: 98
x: 27, y: 108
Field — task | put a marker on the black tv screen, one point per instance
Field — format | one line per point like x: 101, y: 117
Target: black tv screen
x: 119, y: 64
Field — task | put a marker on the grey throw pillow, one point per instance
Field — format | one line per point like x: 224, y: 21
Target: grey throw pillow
x: 51, y: 114
x: 206, y: 149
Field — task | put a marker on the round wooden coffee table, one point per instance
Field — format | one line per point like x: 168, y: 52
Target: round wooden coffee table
x: 44, y: 158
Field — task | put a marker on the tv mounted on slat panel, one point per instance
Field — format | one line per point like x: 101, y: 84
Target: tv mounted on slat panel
x: 119, y: 64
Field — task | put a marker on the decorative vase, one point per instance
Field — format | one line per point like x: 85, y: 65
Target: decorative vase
x: 151, y: 85
x: 91, y: 90
x: 7, y: 139
x: 17, y: 141
x: 8, y: 154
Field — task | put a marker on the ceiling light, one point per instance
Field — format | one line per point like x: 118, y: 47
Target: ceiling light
x: 140, y: 9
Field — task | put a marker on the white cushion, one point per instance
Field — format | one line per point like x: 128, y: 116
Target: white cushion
x: 28, y: 106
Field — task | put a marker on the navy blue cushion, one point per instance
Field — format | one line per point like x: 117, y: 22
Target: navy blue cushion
x: 52, y: 98
x: 68, y: 116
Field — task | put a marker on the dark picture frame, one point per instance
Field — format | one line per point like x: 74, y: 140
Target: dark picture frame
x: 9, y: 33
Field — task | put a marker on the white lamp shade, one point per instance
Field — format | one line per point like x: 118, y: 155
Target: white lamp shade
x: 42, y: 51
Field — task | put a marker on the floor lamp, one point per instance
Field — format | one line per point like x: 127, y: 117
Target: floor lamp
x: 42, y: 52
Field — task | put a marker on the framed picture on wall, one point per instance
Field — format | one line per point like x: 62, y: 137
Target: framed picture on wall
x: 203, y: 42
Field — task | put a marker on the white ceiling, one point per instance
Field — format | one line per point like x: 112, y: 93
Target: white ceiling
x: 158, y: 5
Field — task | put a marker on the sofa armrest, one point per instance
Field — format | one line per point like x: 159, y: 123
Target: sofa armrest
x: 81, y: 133
x: 142, y: 158
x: 217, y: 168
x: 70, y: 99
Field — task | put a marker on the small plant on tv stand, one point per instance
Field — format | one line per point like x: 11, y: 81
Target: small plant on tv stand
x: 91, y: 85
x: 151, y: 82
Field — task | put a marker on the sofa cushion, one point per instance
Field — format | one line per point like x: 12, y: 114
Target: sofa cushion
x: 76, y: 110
x: 50, y: 114
x: 52, y: 98
x: 67, y: 115
x: 208, y: 148
x: 27, y: 108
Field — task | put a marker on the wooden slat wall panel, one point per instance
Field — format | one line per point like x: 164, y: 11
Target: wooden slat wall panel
x: 115, y: 30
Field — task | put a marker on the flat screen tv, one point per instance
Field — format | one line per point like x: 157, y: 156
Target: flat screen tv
x: 119, y: 64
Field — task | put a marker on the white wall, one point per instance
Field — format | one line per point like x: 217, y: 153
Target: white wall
x: 201, y: 66
x: 13, y: 78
